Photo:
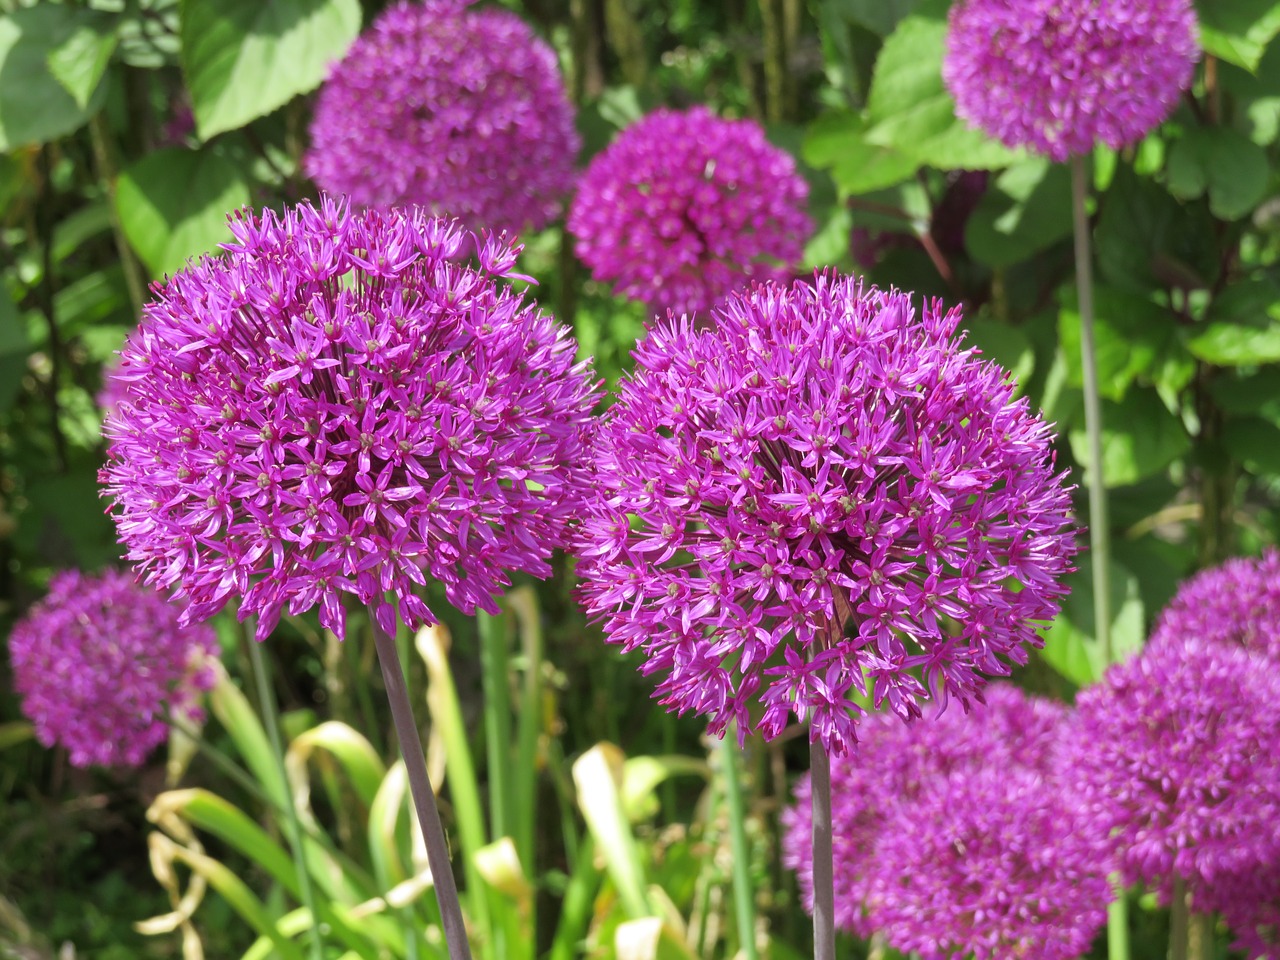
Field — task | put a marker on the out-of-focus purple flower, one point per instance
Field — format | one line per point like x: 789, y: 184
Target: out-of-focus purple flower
x: 820, y: 490
x: 1249, y: 901
x: 990, y: 863
x: 684, y: 208
x: 342, y: 403
x: 100, y: 662
x: 461, y: 111
x: 1174, y: 754
x: 1237, y: 603
x: 1058, y: 76
x: 894, y: 768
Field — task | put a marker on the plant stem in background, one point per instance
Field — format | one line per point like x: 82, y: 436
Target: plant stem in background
x: 267, y: 704
x: 424, y: 799
x: 824, y: 929
x: 1099, y: 535
x: 1200, y: 937
x: 1178, y: 926
x: 1099, y: 532
x: 744, y: 894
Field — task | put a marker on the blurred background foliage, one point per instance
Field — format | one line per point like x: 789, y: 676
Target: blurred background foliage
x: 128, y: 130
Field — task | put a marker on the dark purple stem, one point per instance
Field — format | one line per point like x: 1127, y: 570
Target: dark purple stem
x: 824, y: 928
x: 424, y: 799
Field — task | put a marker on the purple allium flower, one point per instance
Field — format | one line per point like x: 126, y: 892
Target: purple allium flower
x: 894, y: 767
x: 819, y: 491
x: 1249, y: 901
x: 1237, y: 603
x: 101, y: 661
x: 684, y: 208
x: 1059, y: 76
x: 343, y: 404
x: 461, y: 111
x: 990, y: 864
x: 1175, y: 755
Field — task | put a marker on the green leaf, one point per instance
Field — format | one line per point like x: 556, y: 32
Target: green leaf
x: 878, y: 16
x: 1254, y: 442
x: 1255, y: 395
x: 1070, y: 642
x: 1238, y: 31
x: 598, y: 776
x: 836, y: 142
x: 1226, y: 163
x: 1131, y: 335
x: 173, y: 204
x: 244, y: 58
x: 1140, y: 437
x: 1146, y: 240
x: 910, y: 110
x: 34, y: 106
x: 13, y: 350
x: 1027, y: 208
x: 1242, y: 328
x: 81, y: 59
x: 1006, y: 345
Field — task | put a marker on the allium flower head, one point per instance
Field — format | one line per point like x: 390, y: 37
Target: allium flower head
x: 684, y: 208
x: 1237, y: 603
x: 822, y: 485
x: 344, y: 404
x: 100, y: 662
x: 895, y: 767
x: 990, y: 864
x: 462, y: 111
x: 1175, y: 755
x: 1059, y: 76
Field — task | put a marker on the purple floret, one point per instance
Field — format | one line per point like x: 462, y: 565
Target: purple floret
x: 1174, y: 754
x: 346, y: 403
x: 461, y: 111
x: 101, y: 662
x: 1059, y: 76
x: 684, y: 208
x: 1237, y: 603
x: 895, y: 767
x: 821, y: 489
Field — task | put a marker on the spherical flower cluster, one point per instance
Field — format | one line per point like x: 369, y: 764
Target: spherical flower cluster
x: 821, y: 487
x: 343, y: 403
x: 684, y: 208
x: 100, y: 662
x: 895, y: 767
x: 1059, y: 76
x: 1237, y: 603
x: 461, y: 111
x: 990, y: 864
x: 1175, y: 756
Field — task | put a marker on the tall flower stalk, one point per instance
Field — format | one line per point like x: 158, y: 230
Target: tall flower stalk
x: 816, y: 496
x: 348, y: 404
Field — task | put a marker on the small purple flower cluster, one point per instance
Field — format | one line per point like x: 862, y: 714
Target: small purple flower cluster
x: 955, y: 836
x: 1174, y: 756
x: 101, y: 661
x: 1059, y: 77
x: 1237, y: 604
x: 343, y: 403
x: 461, y: 111
x: 684, y: 208
x: 818, y: 491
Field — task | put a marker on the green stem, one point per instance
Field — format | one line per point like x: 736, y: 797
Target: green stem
x: 1118, y: 923
x: 528, y: 730
x: 1099, y: 534
x: 497, y: 719
x: 1200, y: 937
x: 1178, y: 925
x: 270, y: 721
x: 424, y: 799
x: 824, y: 930
x: 744, y: 898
